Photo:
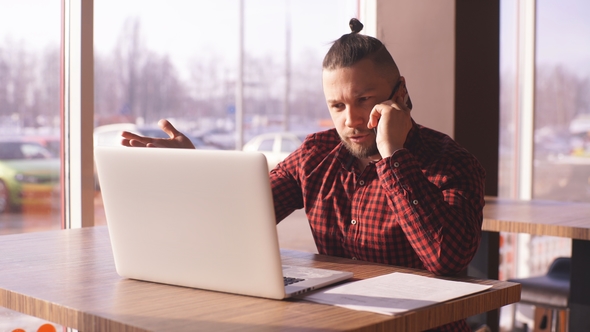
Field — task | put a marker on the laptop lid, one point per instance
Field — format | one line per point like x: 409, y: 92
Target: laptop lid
x: 195, y: 218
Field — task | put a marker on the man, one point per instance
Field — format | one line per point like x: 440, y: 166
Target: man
x: 378, y: 187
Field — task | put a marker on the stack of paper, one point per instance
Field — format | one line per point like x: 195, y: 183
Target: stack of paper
x: 393, y: 293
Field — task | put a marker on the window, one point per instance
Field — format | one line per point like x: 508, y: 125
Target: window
x: 562, y: 102
x: 559, y: 168
x: 182, y: 63
x: 29, y: 125
x: 29, y: 116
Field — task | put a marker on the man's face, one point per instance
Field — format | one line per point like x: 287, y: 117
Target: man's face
x: 351, y: 93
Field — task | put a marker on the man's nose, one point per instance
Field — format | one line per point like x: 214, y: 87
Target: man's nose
x: 354, y: 118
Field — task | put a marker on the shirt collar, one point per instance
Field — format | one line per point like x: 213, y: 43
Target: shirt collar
x: 344, y: 156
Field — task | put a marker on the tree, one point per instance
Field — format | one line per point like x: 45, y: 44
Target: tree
x: 130, y: 56
x: 160, y: 91
x: 556, y: 97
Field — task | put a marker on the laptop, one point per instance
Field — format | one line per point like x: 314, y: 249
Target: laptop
x: 198, y: 218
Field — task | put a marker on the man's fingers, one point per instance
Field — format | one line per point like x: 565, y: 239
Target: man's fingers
x: 387, y: 109
x: 129, y: 136
x: 134, y: 140
x: 168, y: 128
x: 125, y: 142
x: 374, y: 117
x: 137, y: 143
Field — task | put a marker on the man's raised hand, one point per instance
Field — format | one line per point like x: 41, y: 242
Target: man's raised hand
x: 176, y: 140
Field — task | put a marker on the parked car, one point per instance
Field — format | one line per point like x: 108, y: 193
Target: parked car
x: 110, y: 135
x: 29, y: 175
x: 275, y: 146
x: 50, y: 142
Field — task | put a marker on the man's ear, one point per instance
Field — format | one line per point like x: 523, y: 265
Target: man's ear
x: 407, y: 98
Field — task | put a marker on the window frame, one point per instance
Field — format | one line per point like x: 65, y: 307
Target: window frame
x: 77, y: 113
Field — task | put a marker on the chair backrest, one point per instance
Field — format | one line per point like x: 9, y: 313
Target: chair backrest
x: 560, y: 268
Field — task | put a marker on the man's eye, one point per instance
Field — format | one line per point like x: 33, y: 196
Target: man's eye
x: 337, y: 106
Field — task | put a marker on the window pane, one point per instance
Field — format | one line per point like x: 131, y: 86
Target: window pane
x: 562, y: 110
x: 179, y: 60
x: 561, y: 169
x: 29, y: 115
x: 29, y: 127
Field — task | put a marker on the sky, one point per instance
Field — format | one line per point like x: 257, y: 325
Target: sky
x: 196, y: 28
x: 188, y: 29
x: 563, y: 31
x: 35, y: 22
x: 192, y: 28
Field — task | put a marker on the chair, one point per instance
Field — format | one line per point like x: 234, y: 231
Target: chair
x: 549, y: 295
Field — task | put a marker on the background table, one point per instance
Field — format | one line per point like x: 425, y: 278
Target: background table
x: 68, y: 277
x: 552, y: 218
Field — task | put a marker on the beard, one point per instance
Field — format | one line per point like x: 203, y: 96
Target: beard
x: 359, y: 150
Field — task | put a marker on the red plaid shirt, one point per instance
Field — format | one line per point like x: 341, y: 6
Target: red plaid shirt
x: 420, y: 208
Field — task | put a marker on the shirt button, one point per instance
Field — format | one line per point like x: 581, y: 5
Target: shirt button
x: 353, y: 222
x: 362, y: 182
x: 396, y: 164
x: 415, y: 202
x: 354, y: 258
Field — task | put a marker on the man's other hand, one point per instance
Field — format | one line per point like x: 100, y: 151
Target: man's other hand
x: 176, y: 140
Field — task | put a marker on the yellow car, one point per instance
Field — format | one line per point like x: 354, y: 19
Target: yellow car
x: 29, y: 175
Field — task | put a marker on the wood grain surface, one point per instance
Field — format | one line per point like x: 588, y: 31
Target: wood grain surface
x: 68, y: 277
x: 537, y: 217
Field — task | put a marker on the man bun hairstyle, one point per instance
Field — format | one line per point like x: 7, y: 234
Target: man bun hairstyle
x: 355, y: 25
x: 353, y: 47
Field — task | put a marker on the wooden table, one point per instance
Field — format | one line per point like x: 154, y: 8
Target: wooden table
x: 68, y: 277
x: 552, y: 218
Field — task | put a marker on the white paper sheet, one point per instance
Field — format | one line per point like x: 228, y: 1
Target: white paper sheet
x: 393, y: 293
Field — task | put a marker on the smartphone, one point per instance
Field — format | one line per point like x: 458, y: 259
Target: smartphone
x: 396, y: 90
x: 399, y: 87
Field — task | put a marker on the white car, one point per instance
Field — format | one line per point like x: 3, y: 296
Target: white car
x: 110, y: 135
x: 275, y: 146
